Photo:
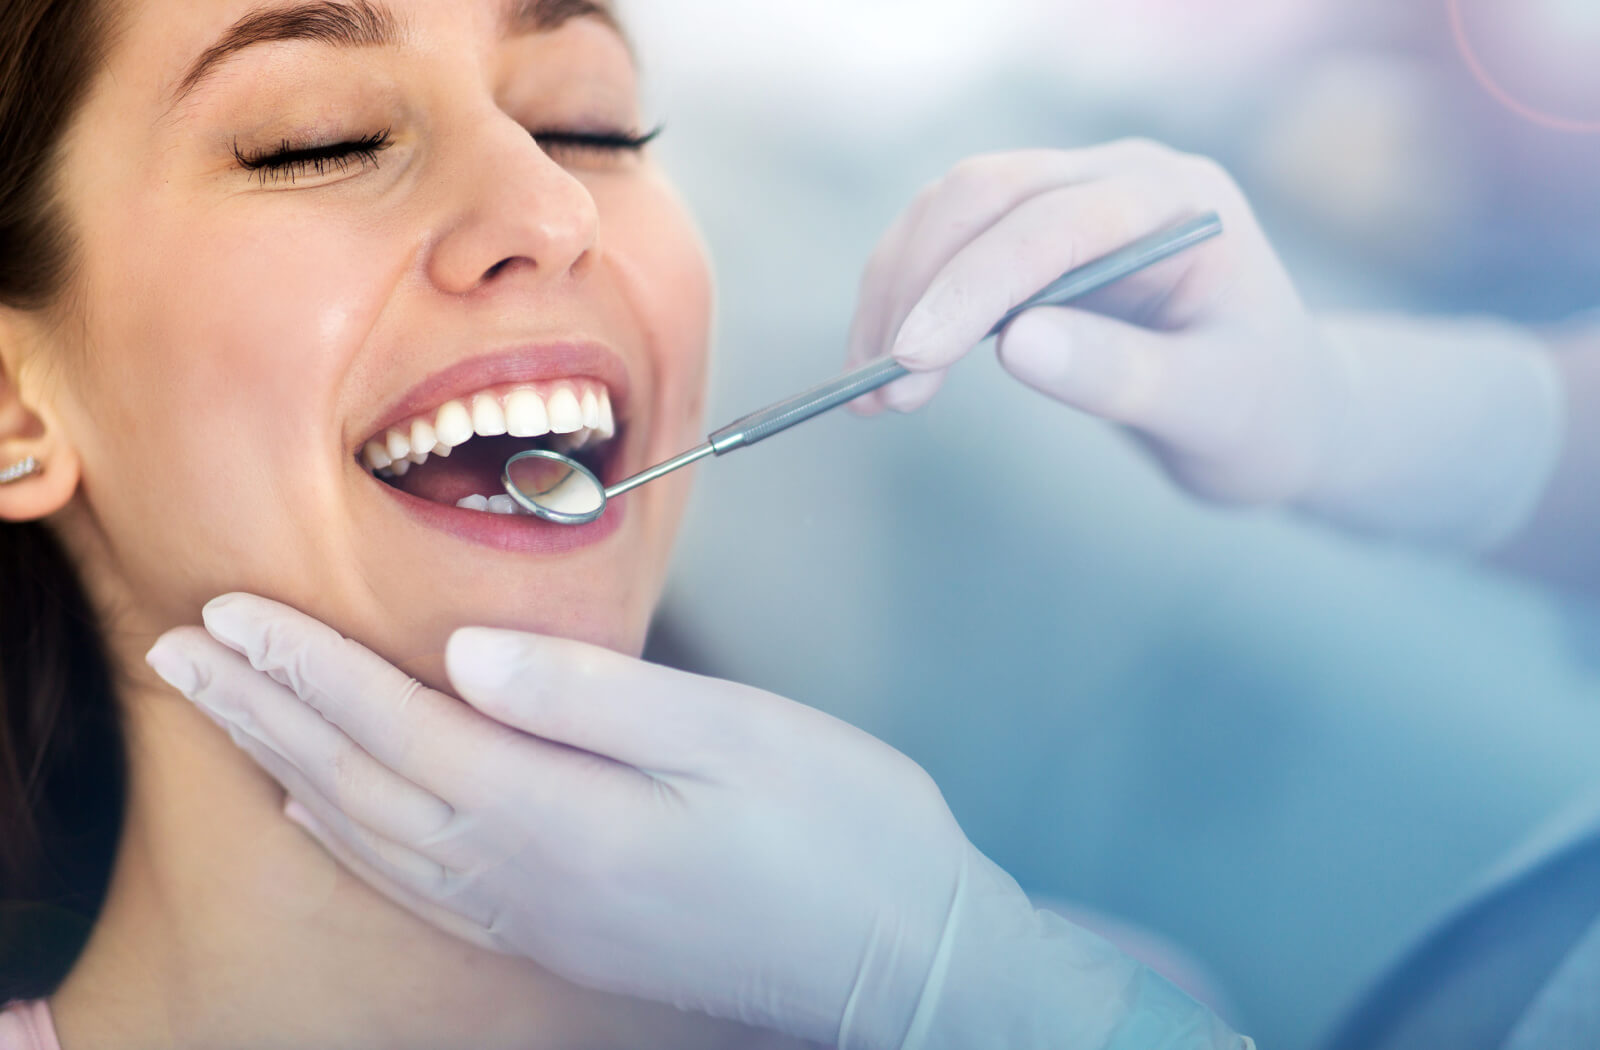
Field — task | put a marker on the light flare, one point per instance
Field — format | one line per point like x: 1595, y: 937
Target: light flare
x: 1573, y: 23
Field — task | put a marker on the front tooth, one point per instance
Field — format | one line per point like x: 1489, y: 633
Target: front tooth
x: 566, y: 415
x: 376, y: 456
x: 502, y: 505
x: 608, y: 424
x: 591, y: 410
x: 474, y: 503
x: 453, y: 426
x: 488, y: 419
x: 397, y: 445
x: 400, y: 466
x: 525, y: 415
x: 423, y: 437
x: 443, y: 450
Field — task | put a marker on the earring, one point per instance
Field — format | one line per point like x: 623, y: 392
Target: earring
x: 18, y: 471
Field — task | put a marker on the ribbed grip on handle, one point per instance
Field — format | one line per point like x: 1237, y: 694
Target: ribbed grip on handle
x: 763, y: 424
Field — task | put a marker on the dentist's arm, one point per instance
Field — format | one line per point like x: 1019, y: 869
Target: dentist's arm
x: 666, y: 836
x: 1439, y: 432
x: 1561, y: 542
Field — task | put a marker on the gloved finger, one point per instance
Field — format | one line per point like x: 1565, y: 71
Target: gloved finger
x: 226, y: 683
x: 866, y: 326
x: 1022, y: 253
x: 647, y: 717
x: 979, y: 193
x: 428, y: 910
x: 1099, y: 365
x: 426, y: 849
x: 911, y: 393
x: 944, y: 218
x: 401, y: 863
x: 421, y: 734
x: 1179, y: 388
x: 951, y: 213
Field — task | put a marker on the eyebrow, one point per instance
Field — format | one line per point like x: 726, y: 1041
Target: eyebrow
x: 363, y: 23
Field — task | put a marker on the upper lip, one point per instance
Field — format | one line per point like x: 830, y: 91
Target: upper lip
x: 526, y: 364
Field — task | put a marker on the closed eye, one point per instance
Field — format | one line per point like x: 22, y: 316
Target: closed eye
x: 289, y: 162
x: 564, y: 143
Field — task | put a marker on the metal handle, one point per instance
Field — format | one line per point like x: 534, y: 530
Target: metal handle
x: 1076, y: 282
x: 785, y: 414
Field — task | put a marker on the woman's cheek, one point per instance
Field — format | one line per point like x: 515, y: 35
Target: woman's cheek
x: 665, y: 270
x: 224, y: 361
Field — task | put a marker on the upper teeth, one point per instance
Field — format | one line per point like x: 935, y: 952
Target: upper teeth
x: 577, y: 410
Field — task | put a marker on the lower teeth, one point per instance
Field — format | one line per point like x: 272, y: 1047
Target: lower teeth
x: 491, y: 505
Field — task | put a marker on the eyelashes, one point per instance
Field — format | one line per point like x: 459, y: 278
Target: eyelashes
x: 560, y: 142
x: 289, y: 162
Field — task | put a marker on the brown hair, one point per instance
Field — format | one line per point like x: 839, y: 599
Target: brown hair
x: 61, y: 748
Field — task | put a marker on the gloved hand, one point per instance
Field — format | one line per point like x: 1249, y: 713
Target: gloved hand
x: 666, y: 836
x: 1440, y: 433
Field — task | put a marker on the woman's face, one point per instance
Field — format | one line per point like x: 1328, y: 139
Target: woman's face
x: 455, y: 221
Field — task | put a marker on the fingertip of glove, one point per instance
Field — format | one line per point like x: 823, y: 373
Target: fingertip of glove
x: 169, y: 659
x: 866, y: 406
x: 227, y: 616
x: 1036, y: 347
x: 298, y: 814
x: 909, y: 394
x: 484, y: 658
x: 233, y: 602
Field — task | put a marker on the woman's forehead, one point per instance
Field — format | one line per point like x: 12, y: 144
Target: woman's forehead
x: 206, y: 37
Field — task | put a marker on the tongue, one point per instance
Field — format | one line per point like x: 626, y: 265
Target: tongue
x: 474, y: 469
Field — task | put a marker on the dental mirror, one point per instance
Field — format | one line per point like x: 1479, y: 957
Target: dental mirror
x: 559, y: 489
x: 555, y: 487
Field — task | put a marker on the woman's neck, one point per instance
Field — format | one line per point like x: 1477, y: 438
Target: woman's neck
x: 227, y: 926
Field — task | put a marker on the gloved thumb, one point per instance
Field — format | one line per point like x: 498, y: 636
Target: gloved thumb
x: 1098, y: 364
x: 590, y: 698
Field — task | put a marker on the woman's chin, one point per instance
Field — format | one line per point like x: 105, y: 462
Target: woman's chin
x: 426, y: 662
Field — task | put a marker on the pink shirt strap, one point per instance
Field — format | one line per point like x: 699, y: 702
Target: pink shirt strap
x: 27, y: 1026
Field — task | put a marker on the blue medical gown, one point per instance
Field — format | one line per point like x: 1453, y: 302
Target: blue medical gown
x: 1516, y: 966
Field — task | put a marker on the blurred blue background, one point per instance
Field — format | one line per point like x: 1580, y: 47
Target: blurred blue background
x: 1284, y: 749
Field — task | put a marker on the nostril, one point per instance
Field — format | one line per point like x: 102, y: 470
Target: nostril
x: 580, y: 265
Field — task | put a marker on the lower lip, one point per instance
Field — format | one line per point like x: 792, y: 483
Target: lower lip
x: 510, y: 533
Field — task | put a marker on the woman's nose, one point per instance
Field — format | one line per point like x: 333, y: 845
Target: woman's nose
x: 512, y: 209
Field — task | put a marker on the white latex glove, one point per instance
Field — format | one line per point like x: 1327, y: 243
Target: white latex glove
x: 661, y: 835
x: 1440, y: 433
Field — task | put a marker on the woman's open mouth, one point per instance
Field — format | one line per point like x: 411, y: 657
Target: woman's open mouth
x: 454, y: 455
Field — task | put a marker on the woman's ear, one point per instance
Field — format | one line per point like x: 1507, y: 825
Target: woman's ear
x: 29, y: 431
